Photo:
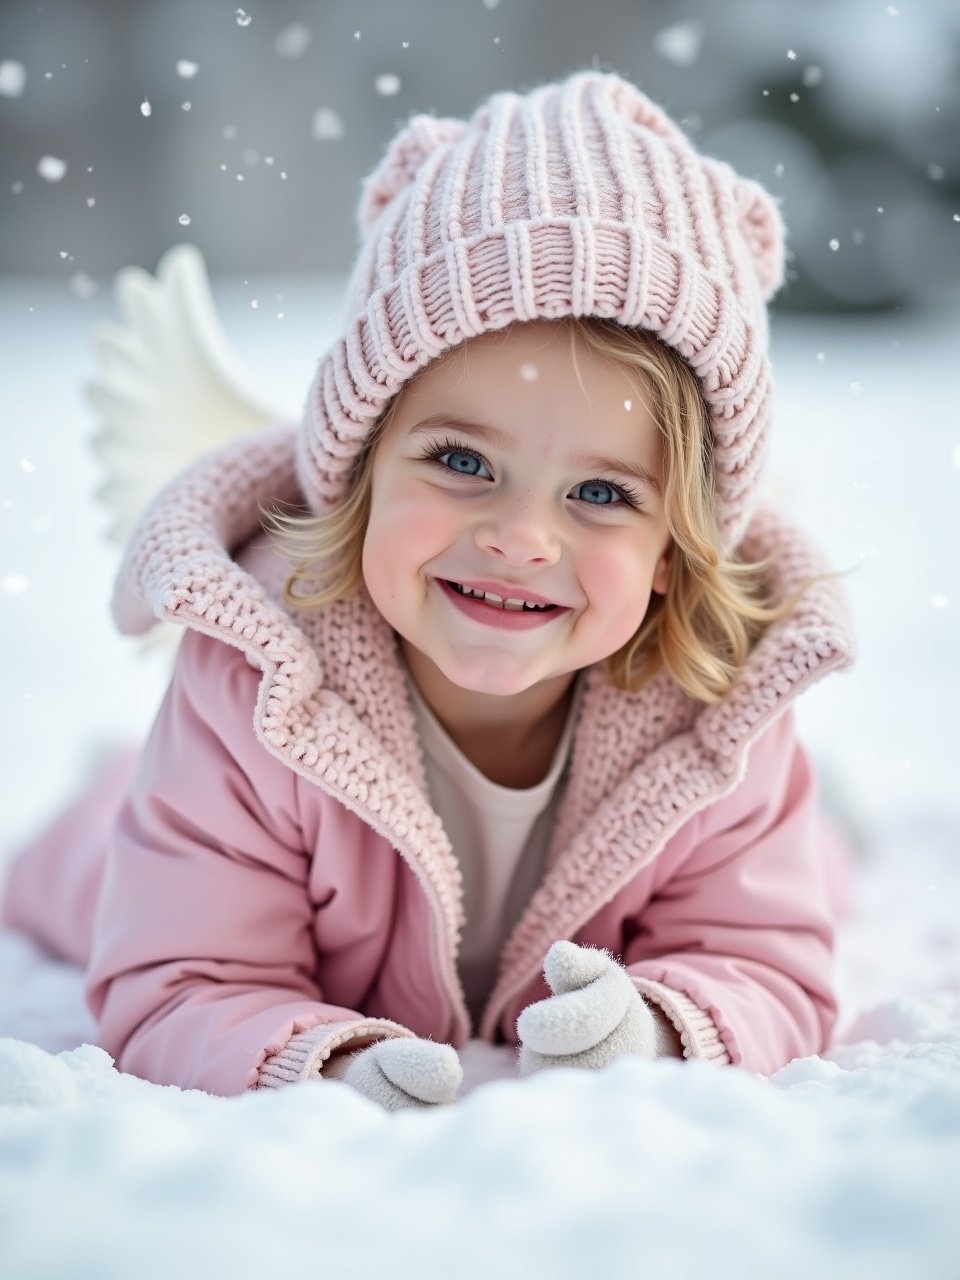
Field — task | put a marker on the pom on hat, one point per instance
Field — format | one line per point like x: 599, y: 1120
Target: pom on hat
x: 637, y: 107
x: 398, y: 168
x: 763, y: 230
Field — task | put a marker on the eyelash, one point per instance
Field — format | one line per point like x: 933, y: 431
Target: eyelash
x: 434, y: 452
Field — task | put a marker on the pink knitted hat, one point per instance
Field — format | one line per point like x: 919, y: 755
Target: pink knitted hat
x: 579, y: 199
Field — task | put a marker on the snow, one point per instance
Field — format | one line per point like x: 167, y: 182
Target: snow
x: 13, y: 77
x: 51, y: 168
x: 327, y: 125
x: 841, y: 1165
x: 680, y: 43
x: 291, y: 41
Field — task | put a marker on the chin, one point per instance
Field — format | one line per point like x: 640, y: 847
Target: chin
x: 498, y: 684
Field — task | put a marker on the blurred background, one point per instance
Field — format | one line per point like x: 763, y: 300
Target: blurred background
x: 129, y: 126
x: 122, y: 119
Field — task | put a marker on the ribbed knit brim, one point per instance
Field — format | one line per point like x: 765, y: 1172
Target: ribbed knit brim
x: 578, y: 199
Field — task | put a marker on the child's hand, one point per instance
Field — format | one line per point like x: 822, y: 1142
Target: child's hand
x: 594, y: 1016
x: 401, y: 1073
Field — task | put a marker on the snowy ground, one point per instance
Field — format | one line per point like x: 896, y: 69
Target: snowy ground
x: 842, y: 1166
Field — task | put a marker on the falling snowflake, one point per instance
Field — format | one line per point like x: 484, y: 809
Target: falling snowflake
x: 327, y: 125
x: 387, y: 85
x: 91, y: 201
x: 83, y: 285
x: 184, y: 219
x: 834, y: 244
x: 26, y: 465
x: 529, y: 372
x: 13, y: 77
x: 792, y: 55
x: 812, y: 76
x: 243, y: 18
x: 145, y: 108
x: 935, y: 172
x: 292, y: 40
x: 939, y: 601
x: 187, y: 69
x: 680, y: 43
x: 628, y: 405
x: 490, y: 4
x: 52, y: 168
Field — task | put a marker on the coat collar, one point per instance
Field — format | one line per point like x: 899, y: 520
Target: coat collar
x: 334, y: 706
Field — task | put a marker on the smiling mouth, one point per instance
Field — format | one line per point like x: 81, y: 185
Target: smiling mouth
x: 511, y: 606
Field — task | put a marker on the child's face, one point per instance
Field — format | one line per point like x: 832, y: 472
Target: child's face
x: 524, y: 513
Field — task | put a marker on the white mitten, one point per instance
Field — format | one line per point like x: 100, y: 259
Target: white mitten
x: 595, y: 1015
x: 400, y: 1073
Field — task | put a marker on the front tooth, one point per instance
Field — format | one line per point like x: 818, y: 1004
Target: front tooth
x: 488, y: 595
x: 513, y: 604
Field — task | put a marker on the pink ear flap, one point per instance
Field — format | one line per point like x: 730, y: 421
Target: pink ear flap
x: 398, y: 168
x: 762, y: 228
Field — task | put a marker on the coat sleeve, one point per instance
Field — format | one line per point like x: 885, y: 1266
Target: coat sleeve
x: 736, y: 944
x: 203, y: 967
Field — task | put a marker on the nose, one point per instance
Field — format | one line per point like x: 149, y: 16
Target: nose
x: 520, y: 532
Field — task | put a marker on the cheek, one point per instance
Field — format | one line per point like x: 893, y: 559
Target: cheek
x: 617, y: 578
x: 402, y: 535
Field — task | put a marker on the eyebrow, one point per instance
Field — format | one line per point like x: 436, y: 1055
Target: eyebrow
x: 500, y: 440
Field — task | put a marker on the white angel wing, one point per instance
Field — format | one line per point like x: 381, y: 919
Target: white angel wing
x: 168, y: 386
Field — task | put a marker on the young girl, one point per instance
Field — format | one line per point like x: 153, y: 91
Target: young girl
x: 492, y: 733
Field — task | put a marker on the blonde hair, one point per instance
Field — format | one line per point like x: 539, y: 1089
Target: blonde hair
x: 714, y: 609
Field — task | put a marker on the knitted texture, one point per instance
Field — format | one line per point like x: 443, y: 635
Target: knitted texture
x: 399, y: 1074
x: 594, y: 1016
x: 579, y: 199
x: 306, y: 1053
x: 334, y: 707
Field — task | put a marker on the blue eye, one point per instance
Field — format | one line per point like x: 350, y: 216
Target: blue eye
x: 461, y: 458
x: 602, y: 487
x: 451, y: 455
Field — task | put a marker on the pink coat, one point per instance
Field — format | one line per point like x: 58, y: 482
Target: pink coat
x: 276, y: 883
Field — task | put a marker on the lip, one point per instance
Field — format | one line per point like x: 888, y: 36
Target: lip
x: 505, y: 591
x: 502, y: 619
